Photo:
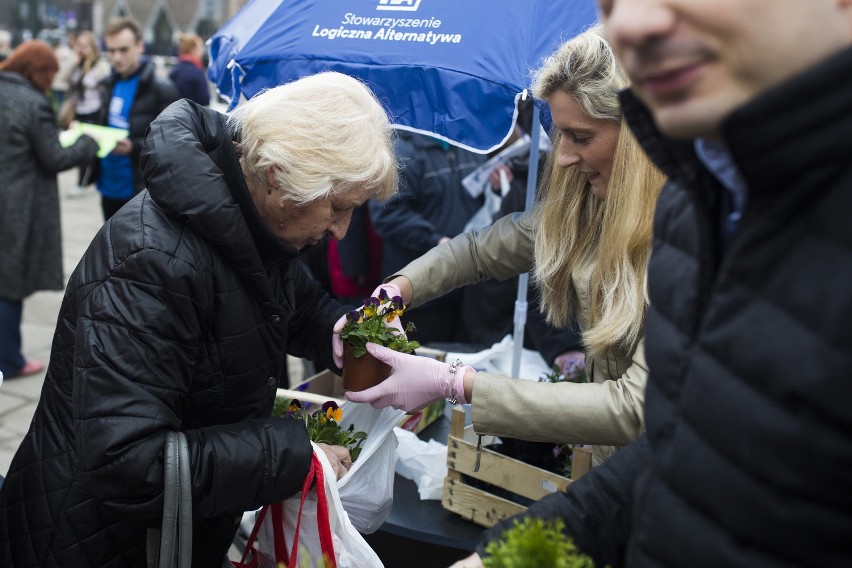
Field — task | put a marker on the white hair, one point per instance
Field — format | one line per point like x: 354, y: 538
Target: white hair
x: 322, y: 135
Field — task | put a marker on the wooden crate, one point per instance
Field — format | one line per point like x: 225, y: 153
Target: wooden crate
x: 485, y: 508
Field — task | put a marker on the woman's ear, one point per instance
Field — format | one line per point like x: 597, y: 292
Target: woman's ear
x: 271, y: 172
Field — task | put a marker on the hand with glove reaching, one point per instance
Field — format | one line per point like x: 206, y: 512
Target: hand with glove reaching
x: 390, y: 290
x: 414, y: 381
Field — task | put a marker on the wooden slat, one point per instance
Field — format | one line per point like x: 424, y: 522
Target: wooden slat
x: 476, y: 505
x: 581, y: 462
x: 514, y: 476
x: 503, y: 471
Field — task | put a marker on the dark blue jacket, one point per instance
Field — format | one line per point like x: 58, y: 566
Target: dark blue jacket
x: 431, y: 202
x: 191, y: 82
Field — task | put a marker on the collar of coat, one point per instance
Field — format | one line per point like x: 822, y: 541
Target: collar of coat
x: 223, y: 214
x: 270, y: 248
x: 795, y: 134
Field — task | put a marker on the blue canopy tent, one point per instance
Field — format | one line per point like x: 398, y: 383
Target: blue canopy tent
x: 450, y: 69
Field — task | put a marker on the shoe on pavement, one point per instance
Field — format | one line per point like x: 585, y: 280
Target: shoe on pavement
x: 78, y: 191
x: 31, y: 367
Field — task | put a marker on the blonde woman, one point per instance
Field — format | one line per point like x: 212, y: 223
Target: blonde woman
x: 84, y: 100
x: 588, y: 241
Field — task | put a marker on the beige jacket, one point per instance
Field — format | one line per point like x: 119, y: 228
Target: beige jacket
x: 606, y: 412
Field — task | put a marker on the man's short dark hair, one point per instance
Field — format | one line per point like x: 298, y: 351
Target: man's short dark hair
x: 117, y: 25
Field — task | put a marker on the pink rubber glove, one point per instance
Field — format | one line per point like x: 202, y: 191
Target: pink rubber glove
x: 337, y: 343
x: 414, y: 381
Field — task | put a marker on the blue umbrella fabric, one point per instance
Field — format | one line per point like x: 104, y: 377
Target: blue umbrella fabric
x: 452, y: 69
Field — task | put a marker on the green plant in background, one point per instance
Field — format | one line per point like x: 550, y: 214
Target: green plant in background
x: 574, y: 373
x: 534, y: 543
x: 322, y: 425
x: 368, y: 324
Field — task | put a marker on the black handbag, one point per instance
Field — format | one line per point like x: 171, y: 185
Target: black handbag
x: 171, y: 546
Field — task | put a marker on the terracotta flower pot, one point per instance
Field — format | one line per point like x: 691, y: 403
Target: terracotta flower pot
x: 361, y: 373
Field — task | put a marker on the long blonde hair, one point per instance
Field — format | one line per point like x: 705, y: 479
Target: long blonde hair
x: 574, y: 227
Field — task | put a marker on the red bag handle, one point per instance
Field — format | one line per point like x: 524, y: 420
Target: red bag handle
x: 279, y: 541
x: 315, y: 474
x: 323, y: 525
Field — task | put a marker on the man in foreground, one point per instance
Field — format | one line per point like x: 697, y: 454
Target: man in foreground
x: 747, y: 106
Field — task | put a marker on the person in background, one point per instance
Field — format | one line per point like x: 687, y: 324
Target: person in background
x: 132, y: 97
x: 84, y: 87
x: 5, y: 44
x: 67, y: 58
x: 30, y: 158
x: 747, y: 106
x: 355, y: 262
x: 588, y: 241
x: 188, y: 74
x: 431, y: 207
x: 180, y: 316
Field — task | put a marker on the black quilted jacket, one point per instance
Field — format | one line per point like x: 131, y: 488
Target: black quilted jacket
x: 748, y: 456
x: 178, y: 317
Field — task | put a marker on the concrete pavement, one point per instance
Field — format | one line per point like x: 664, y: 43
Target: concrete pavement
x: 81, y: 219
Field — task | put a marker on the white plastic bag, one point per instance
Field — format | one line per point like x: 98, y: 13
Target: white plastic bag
x: 308, y: 527
x: 425, y: 463
x: 498, y: 359
x: 366, y: 491
x: 350, y: 548
x: 358, y: 501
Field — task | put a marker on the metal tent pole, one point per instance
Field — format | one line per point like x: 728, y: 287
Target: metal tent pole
x: 523, y: 279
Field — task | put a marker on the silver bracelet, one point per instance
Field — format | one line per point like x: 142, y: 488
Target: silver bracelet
x: 454, y: 368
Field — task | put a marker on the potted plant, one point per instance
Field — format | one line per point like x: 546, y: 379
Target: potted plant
x: 323, y: 425
x: 369, y: 324
x: 532, y: 543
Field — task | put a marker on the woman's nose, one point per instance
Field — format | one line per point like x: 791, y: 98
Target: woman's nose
x: 568, y: 159
x: 338, y: 227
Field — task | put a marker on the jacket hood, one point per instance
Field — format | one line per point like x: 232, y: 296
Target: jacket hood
x: 193, y: 173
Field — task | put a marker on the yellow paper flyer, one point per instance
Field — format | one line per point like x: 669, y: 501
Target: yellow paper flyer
x: 106, y: 136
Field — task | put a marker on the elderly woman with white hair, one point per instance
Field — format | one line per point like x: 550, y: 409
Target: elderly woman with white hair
x: 179, y: 317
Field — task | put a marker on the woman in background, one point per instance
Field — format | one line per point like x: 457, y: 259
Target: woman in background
x: 85, y: 91
x: 30, y: 158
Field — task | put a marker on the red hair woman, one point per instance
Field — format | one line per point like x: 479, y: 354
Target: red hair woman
x: 30, y: 158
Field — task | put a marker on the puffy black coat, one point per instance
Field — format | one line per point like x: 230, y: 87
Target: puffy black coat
x: 153, y: 95
x: 748, y: 456
x: 190, y: 81
x: 173, y: 320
